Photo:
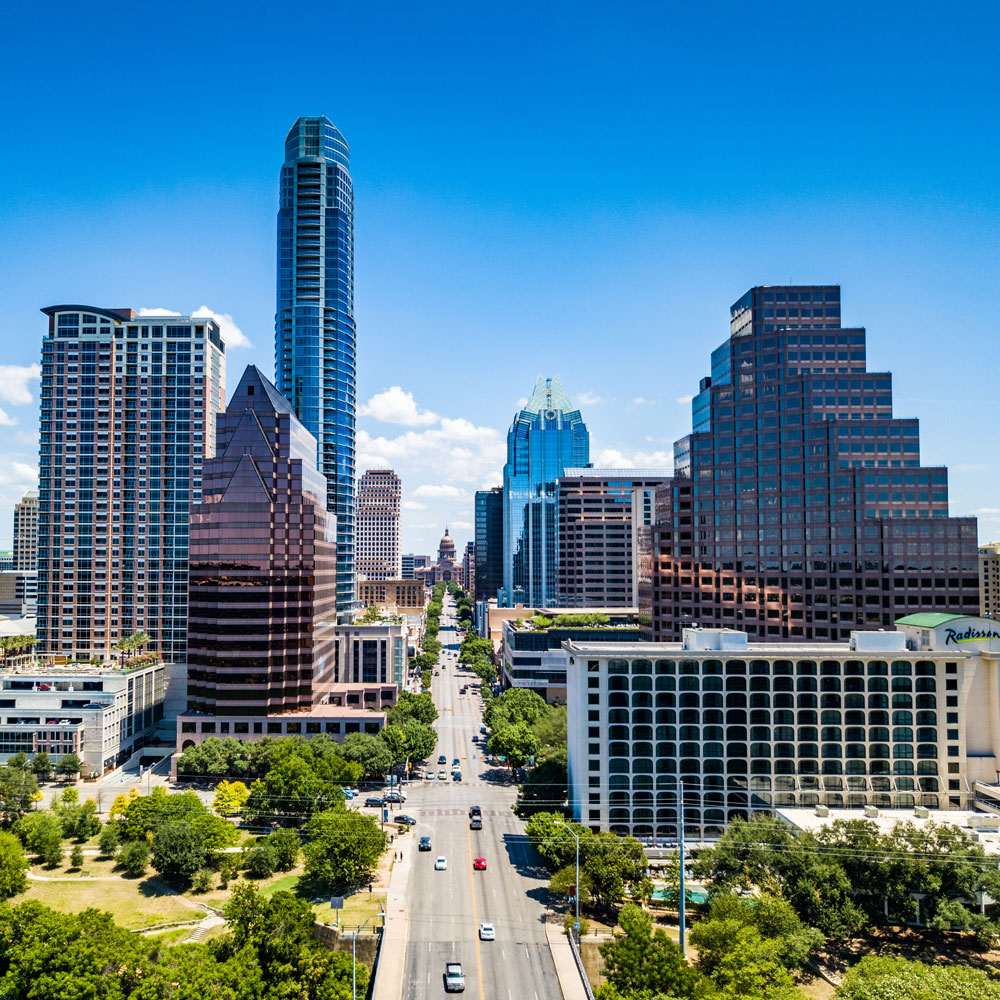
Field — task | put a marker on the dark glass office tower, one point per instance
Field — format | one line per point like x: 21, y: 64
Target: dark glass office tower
x: 314, y: 343
x: 799, y: 508
x: 489, y: 544
x: 263, y: 582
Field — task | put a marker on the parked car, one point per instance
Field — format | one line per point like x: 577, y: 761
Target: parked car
x: 454, y: 978
x: 479, y: 864
x: 482, y: 729
x: 395, y: 797
x: 373, y: 801
x: 424, y: 844
x: 441, y: 865
x: 487, y: 932
x: 403, y: 818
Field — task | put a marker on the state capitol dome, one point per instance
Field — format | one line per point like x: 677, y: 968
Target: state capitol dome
x: 446, y: 548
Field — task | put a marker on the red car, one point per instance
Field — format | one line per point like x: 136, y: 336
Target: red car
x: 479, y: 864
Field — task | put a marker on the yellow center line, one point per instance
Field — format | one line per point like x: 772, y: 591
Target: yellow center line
x: 475, y: 919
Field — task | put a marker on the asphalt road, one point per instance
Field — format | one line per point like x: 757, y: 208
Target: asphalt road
x: 446, y: 907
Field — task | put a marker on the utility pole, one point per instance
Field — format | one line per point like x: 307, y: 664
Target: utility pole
x: 680, y: 827
x: 576, y: 894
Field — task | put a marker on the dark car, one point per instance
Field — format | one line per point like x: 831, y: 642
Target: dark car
x: 442, y: 759
x: 475, y: 811
x: 424, y: 844
x: 482, y: 729
x: 372, y: 801
x: 408, y: 820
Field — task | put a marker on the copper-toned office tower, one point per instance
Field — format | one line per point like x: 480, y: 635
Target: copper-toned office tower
x: 263, y: 590
x: 800, y: 509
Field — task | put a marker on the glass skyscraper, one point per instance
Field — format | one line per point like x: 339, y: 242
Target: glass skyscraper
x: 547, y: 437
x: 314, y: 343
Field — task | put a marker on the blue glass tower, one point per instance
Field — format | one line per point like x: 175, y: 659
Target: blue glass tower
x: 547, y: 437
x: 314, y: 345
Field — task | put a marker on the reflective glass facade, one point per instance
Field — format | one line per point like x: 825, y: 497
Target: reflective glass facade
x: 263, y: 565
x: 800, y: 508
x: 547, y: 436
x: 489, y: 543
x: 314, y: 324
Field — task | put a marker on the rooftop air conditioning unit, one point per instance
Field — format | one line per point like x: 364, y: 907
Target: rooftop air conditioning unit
x: 871, y: 812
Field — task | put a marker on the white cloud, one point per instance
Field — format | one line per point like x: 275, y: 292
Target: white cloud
x: 414, y: 505
x: 461, y: 525
x: 18, y: 474
x: 394, y: 406
x: 231, y: 333
x: 642, y: 401
x: 591, y: 399
x: 6, y: 420
x: 14, y: 381
x: 684, y: 400
x: 444, y: 491
x: 612, y: 458
x: 989, y: 513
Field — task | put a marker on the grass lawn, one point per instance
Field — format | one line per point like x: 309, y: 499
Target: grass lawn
x: 219, y: 897
x: 357, y: 909
x: 102, y: 867
x: 133, y: 903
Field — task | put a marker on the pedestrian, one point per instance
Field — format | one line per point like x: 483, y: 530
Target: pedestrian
x: 400, y: 855
x: 369, y: 887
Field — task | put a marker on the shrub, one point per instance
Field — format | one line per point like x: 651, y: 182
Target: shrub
x: 260, y: 861
x: 76, y: 856
x: 203, y: 880
x: 285, y: 845
x: 108, y: 840
x: 134, y: 857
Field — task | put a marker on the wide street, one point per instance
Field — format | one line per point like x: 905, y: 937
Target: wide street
x: 446, y: 907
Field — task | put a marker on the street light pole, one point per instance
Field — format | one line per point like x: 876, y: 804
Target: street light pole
x: 680, y: 825
x: 576, y: 926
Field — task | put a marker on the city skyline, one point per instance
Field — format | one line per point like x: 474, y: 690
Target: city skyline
x: 646, y: 253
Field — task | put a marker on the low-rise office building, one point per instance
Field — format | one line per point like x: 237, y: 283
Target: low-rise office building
x: 370, y: 653
x: 900, y: 719
x: 18, y: 592
x: 533, y: 653
x: 396, y: 596
x: 103, y: 713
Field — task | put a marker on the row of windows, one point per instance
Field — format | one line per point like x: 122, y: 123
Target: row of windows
x: 827, y: 668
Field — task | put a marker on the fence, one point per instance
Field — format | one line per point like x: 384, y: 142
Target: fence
x: 578, y: 958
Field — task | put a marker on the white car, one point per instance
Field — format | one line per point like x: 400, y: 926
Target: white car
x: 487, y: 932
x: 442, y: 776
x: 441, y: 865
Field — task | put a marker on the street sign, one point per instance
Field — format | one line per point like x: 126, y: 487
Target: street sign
x: 385, y: 815
x: 336, y: 902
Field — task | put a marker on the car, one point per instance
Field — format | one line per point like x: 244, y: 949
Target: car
x: 347, y: 793
x: 475, y: 811
x: 441, y: 865
x: 456, y: 776
x: 442, y: 775
x: 424, y: 844
x: 476, y: 823
x: 487, y: 932
x: 454, y: 978
x: 482, y: 729
x: 442, y: 759
x: 479, y: 864
x: 395, y: 797
x: 376, y: 802
x: 456, y: 763
x: 402, y: 818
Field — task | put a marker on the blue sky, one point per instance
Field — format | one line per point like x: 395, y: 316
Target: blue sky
x: 572, y: 188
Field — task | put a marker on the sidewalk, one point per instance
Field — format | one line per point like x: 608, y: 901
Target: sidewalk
x: 562, y: 957
x: 392, y: 959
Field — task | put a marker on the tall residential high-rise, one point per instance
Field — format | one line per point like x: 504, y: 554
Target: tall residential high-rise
x: 26, y: 532
x: 606, y: 519
x: 799, y: 508
x: 263, y: 593
x: 547, y: 436
x: 379, y: 503
x: 314, y: 346
x: 128, y: 407
x: 489, y: 544
x: 989, y: 580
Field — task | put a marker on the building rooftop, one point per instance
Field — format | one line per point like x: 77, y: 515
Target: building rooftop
x: 928, y: 619
x: 592, y: 473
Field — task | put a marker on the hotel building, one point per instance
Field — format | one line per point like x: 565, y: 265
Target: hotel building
x: 128, y: 406
x: 901, y: 719
x: 379, y: 504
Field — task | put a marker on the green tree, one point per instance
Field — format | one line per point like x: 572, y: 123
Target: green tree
x: 215, y: 832
x: 514, y: 706
x: 343, y: 848
x: 13, y: 867
x: 108, y: 840
x: 394, y: 738
x: 133, y: 856
x: 69, y: 765
x: 287, y: 846
x: 545, y: 787
x: 260, y: 861
x: 178, y: 851
x: 229, y: 866
x: 412, y: 706
x: 19, y: 760
x: 203, y: 881
x: 230, y: 797
x: 646, y: 959
x: 76, y: 856
x: 18, y: 789
x: 368, y: 751
x: 751, y: 970
x: 610, y: 866
x: 41, y: 833
x: 877, y: 978
x: 516, y: 742
x: 41, y: 765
